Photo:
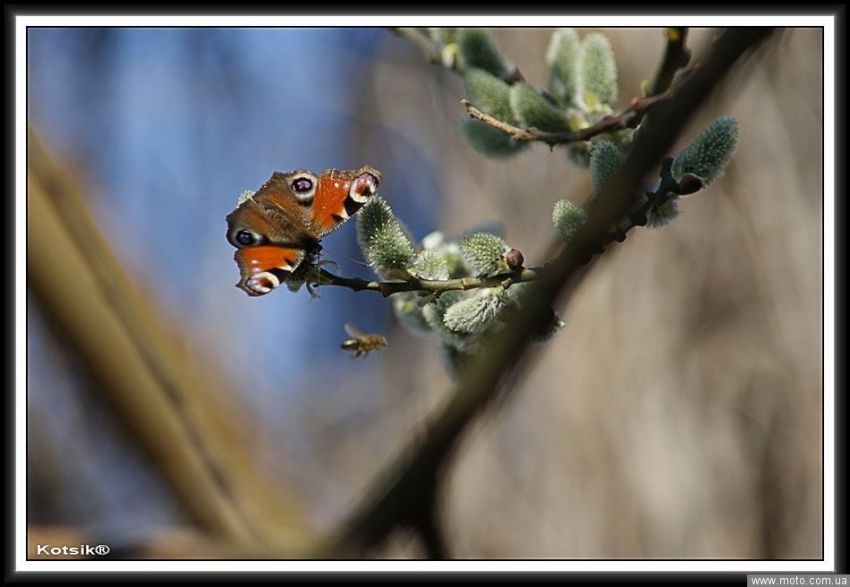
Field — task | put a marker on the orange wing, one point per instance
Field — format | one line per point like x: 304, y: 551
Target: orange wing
x: 339, y: 194
x: 263, y: 268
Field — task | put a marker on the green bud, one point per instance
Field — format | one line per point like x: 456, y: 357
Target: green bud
x: 490, y: 141
x: 605, y: 160
x: 484, y: 252
x: 597, y: 71
x: 478, y: 50
x: 562, y: 57
x: 474, y: 315
x: 707, y: 156
x: 431, y: 264
x: 568, y: 218
x: 533, y: 110
x: 490, y: 94
x: 382, y: 238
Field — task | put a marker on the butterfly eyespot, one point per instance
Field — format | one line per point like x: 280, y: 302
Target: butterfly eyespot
x: 245, y: 238
x: 302, y: 185
x: 363, y: 187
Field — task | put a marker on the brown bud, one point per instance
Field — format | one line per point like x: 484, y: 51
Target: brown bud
x: 514, y: 259
x: 689, y: 184
x: 514, y: 76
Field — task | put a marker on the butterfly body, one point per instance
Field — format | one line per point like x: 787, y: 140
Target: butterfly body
x: 281, y: 224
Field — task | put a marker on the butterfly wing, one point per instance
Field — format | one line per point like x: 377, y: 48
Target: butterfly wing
x: 278, y: 226
x: 263, y: 268
x: 339, y: 195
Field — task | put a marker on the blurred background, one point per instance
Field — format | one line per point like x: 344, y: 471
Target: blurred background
x: 678, y: 415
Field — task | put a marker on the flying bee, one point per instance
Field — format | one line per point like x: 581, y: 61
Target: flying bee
x: 360, y: 343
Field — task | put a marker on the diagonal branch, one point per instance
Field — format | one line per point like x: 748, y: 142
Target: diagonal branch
x: 410, y: 482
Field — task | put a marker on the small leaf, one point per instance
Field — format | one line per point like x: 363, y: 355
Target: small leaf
x: 533, y: 110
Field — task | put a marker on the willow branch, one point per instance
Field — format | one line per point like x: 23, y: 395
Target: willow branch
x: 438, y: 286
x: 409, y: 483
x: 628, y: 118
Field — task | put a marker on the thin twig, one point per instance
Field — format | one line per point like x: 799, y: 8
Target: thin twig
x: 387, y: 288
x: 434, y: 52
x: 628, y: 118
x: 431, y: 49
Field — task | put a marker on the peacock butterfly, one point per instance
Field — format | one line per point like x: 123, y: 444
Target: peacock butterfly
x: 278, y: 227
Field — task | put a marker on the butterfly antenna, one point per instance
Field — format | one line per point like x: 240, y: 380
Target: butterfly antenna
x: 357, y: 262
